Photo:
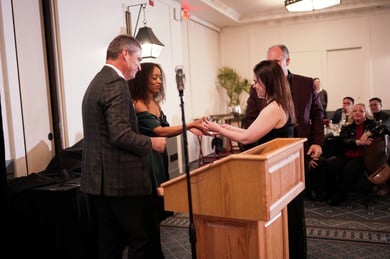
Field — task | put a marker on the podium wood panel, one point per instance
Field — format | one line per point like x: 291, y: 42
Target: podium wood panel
x: 239, y: 202
x: 241, y: 239
x: 266, y: 177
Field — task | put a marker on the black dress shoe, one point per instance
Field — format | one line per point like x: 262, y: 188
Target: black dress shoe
x: 312, y: 195
x: 337, y: 199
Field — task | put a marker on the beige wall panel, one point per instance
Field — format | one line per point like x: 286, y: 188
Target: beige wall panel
x: 347, y: 74
x: 34, y: 88
x: 380, y: 57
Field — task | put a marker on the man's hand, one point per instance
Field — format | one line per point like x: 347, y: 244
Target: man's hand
x: 315, y: 151
x: 159, y: 143
x: 313, y: 163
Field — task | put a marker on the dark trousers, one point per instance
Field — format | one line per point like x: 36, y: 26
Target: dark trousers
x: 297, y: 228
x: 130, y: 222
x: 347, y: 174
x: 317, y: 184
x: 296, y: 222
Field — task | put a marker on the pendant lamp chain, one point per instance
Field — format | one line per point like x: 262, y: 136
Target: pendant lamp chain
x: 144, y: 7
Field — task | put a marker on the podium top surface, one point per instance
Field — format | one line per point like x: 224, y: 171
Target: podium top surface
x: 261, y: 152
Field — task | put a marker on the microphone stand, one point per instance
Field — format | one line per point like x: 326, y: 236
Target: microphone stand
x: 192, y: 232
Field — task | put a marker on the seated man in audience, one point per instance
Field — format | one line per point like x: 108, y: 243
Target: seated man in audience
x: 341, y: 115
x: 380, y: 116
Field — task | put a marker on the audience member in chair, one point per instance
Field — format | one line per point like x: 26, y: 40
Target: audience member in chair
x: 342, y: 114
x: 148, y: 92
x: 276, y: 119
x: 346, y: 171
x: 380, y: 116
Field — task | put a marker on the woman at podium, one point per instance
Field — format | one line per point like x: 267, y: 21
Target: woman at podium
x: 276, y: 120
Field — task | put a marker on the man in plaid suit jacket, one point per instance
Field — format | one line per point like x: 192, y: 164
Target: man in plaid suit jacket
x: 114, y: 170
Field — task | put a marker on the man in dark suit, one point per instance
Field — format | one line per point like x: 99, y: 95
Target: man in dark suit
x: 309, y: 114
x: 114, y: 170
x: 380, y: 116
x: 341, y: 114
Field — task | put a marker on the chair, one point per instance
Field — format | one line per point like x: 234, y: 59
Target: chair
x: 235, y: 120
x: 217, y: 145
x: 199, y: 137
x: 222, y: 146
x: 375, y: 159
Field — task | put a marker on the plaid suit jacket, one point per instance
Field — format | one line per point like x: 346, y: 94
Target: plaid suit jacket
x: 114, y: 153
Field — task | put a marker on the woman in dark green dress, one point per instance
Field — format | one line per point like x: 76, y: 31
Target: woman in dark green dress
x: 147, y: 91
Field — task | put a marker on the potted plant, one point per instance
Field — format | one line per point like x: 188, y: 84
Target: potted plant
x: 234, y: 84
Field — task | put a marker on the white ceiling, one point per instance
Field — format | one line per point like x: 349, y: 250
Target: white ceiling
x: 223, y: 13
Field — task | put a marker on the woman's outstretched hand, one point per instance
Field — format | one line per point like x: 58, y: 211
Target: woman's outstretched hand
x: 212, y: 127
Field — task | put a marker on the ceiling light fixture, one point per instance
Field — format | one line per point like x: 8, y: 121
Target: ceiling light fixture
x: 151, y: 46
x: 309, y: 5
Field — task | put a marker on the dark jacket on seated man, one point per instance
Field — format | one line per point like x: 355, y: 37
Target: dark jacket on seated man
x: 383, y: 118
x: 336, y: 118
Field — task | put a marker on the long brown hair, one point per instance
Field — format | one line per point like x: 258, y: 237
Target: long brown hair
x: 139, y: 85
x: 276, y: 85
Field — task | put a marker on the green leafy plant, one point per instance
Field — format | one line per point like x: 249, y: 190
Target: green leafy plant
x: 234, y: 84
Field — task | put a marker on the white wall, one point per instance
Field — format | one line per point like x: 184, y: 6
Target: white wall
x: 202, y: 62
x: 84, y: 57
x: 24, y: 86
x: 83, y: 30
x: 348, y: 52
x: 83, y: 50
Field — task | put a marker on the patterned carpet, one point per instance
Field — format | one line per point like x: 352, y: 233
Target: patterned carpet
x: 350, y: 221
x: 347, y: 231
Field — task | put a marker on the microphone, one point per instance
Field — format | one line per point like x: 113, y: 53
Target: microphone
x: 180, y: 78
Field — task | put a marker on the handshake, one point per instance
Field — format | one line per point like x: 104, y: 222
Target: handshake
x: 205, y: 126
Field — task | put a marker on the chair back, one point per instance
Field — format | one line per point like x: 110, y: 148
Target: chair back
x: 376, y: 158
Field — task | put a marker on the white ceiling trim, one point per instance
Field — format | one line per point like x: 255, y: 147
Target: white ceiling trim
x: 218, y: 13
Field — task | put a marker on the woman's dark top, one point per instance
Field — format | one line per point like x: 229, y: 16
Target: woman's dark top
x: 157, y: 162
x: 287, y: 131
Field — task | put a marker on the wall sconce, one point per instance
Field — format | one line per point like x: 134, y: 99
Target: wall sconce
x: 309, y: 5
x: 151, y: 46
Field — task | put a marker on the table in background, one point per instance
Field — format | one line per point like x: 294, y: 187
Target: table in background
x: 230, y: 146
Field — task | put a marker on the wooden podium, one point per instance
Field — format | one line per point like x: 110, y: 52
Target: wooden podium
x: 240, y: 202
